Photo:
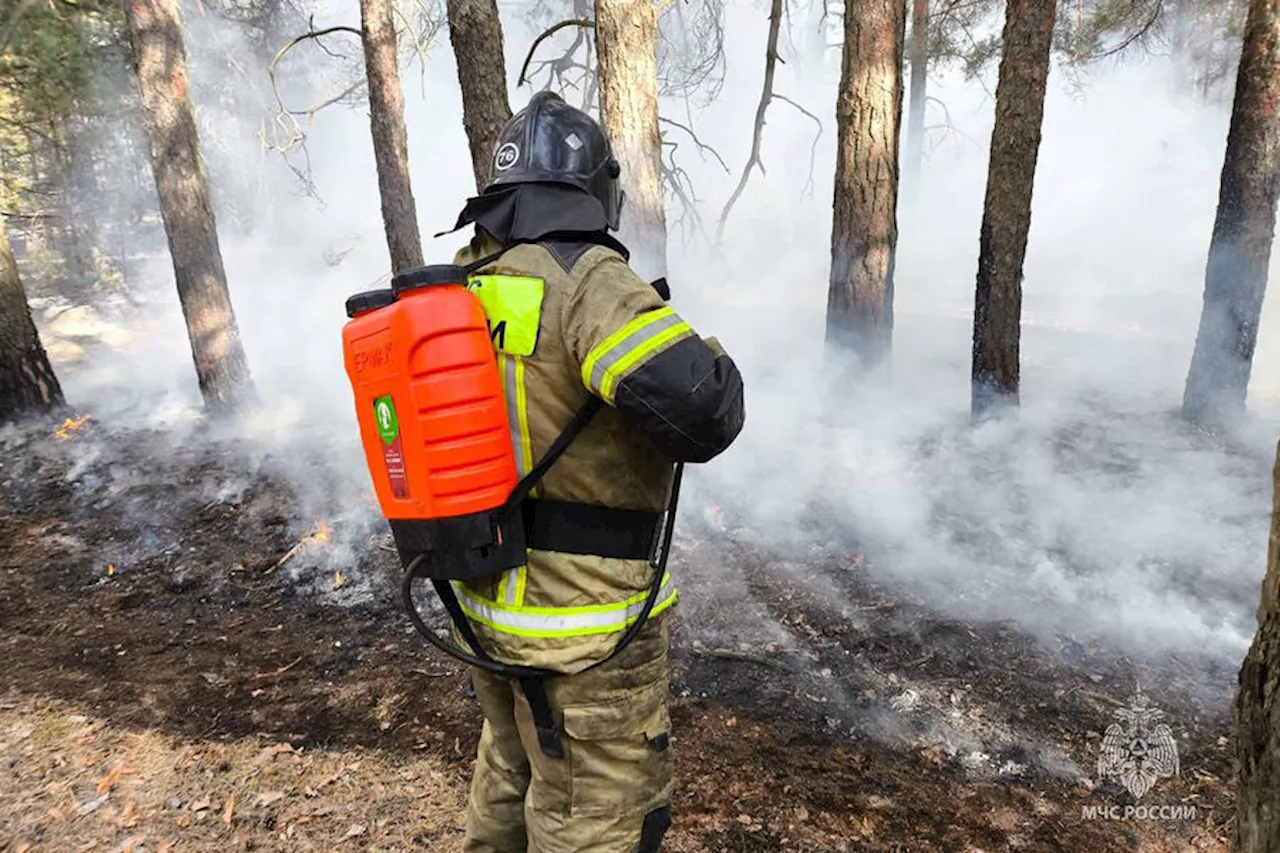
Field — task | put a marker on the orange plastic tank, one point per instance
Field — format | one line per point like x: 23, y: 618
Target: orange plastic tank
x: 429, y: 401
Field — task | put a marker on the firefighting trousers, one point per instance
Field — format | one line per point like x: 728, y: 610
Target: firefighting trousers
x: 610, y: 793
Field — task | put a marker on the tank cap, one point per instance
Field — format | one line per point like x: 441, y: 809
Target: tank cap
x: 436, y: 274
x: 369, y: 300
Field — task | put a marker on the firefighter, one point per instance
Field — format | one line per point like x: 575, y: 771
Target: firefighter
x: 581, y: 761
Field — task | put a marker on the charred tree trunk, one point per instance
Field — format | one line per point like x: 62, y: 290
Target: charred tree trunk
x: 864, y: 233
x: 1257, y: 712
x: 475, y: 30
x: 27, y: 382
x: 919, y: 57
x: 1006, y: 214
x: 390, y: 138
x: 1236, y: 274
x: 627, y: 44
x: 177, y: 165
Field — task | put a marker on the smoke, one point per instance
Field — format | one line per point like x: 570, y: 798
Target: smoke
x: 1095, y: 512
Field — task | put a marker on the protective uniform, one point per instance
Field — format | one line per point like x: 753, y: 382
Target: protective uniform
x: 569, y: 319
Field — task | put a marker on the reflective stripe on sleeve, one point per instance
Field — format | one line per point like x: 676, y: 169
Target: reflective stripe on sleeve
x: 612, y: 359
x: 561, y: 621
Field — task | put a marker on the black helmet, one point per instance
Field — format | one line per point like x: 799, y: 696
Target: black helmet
x: 551, y: 142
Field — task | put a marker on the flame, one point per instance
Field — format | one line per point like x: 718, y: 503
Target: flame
x: 322, y: 532
x: 715, y: 510
x: 111, y: 569
x: 338, y: 580
x: 68, y: 426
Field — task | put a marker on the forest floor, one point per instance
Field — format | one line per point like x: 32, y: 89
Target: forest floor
x: 197, y: 693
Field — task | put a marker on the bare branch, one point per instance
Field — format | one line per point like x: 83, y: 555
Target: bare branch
x: 807, y: 189
x: 702, y: 146
x: 766, y: 95
x: 947, y: 126
x: 585, y: 23
x: 38, y: 215
x: 681, y: 186
x: 292, y: 43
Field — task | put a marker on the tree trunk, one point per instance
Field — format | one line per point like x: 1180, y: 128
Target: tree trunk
x: 27, y: 382
x: 1236, y: 274
x: 1006, y: 214
x: 627, y: 44
x: 177, y: 165
x: 475, y: 31
x: 919, y: 56
x: 1257, y: 712
x: 390, y: 139
x: 864, y: 233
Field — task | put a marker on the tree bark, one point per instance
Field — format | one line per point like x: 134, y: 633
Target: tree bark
x: 177, y: 166
x: 390, y: 138
x: 27, y: 381
x: 1240, y: 250
x: 919, y: 57
x: 1257, y: 712
x: 864, y: 233
x: 475, y: 30
x: 627, y: 44
x: 1006, y: 215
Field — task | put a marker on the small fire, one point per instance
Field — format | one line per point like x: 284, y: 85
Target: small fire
x: 338, y: 580
x: 111, y: 569
x: 68, y: 426
x: 715, y: 510
x: 322, y: 532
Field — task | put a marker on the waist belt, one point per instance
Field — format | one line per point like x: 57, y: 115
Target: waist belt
x: 576, y: 528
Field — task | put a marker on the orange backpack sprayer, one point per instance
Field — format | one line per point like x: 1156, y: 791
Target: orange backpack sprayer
x: 432, y: 419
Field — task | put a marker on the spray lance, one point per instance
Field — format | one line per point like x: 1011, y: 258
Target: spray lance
x: 433, y: 424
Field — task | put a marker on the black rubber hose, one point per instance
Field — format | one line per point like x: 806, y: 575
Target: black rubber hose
x: 514, y: 671
x: 510, y: 670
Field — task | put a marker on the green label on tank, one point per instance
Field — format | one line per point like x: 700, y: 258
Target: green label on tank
x: 384, y: 411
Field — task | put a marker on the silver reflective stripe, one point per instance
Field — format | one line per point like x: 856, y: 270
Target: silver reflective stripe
x: 511, y: 583
x: 509, y: 586
x: 614, y: 354
x: 568, y: 624
x: 511, y: 390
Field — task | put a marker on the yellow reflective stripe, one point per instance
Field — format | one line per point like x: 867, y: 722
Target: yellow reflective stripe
x: 522, y: 578
x: 627, y: 348
x: 592, y: 369
x: 513, y: 306
x: 561, y: 621
x: 511, y: 372
x: 641, y: 354
x: 522, y: 423
x: 511, y: 587
x: 639, y: 597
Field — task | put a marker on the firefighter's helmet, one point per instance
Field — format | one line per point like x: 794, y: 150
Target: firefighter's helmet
x: 551, y: 142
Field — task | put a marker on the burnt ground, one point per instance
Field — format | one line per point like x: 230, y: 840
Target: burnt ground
x: 143, y: 596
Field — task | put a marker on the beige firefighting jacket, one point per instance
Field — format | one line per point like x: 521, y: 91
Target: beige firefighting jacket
x: 565, y: 323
